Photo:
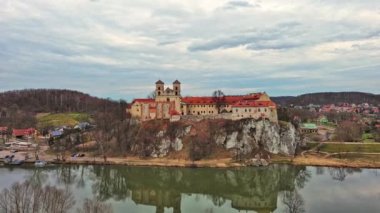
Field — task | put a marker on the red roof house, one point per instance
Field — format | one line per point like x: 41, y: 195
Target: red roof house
x: 23, y: 132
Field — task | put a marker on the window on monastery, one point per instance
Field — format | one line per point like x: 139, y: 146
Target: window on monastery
x: 249, y: 110
x: 167, y: 99
x: 258, y: 110
x: 245, y: 110
x: 265, y: 110
x: 176, y: 93
x: 236, y: 110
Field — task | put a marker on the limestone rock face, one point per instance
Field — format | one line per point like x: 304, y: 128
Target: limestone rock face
x: 244, y: 136
x: 249, y: 134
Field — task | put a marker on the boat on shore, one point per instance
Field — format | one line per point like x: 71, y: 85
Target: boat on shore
x: 9, y: 160
x: 16, y: 162
x: 40, y: 163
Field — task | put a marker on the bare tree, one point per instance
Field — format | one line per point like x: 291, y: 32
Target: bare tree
x: 293, y: 202
x: 219, y: 99
x: 349, y: 131
x: 152, y: 95
x: 95, y: 206
x: 28, y: 198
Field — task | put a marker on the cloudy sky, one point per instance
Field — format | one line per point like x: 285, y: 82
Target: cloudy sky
x: 119, y: 48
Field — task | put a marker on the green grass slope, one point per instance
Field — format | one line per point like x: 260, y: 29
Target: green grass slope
x: 61, y: 119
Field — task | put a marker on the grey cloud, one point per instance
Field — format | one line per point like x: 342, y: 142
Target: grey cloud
x: 239, y: 4
x: 100, y: 48
x: 256, y: 39
x: 274, y: 45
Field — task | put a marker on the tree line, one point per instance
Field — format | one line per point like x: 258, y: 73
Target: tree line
x: 328, y: 98
x: 18, y: 108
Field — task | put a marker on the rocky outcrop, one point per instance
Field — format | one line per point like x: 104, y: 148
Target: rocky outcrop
x: 243, y: 136
x: 248, y: 135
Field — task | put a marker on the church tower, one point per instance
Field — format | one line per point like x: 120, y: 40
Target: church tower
x: 159, y: 88
x: 177, y: 88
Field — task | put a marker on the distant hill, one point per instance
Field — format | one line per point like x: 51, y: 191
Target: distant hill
x: 53, y: 101
x: 328, y: 98
x: 18, y: 109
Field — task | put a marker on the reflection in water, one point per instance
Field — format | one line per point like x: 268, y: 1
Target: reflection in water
x: 293, y: 202
x: 247, y: 189
x: 274, y: 188
x: 341, y: 173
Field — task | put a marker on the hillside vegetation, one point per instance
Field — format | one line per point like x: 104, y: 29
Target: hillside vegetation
x: 18, y: 109
x: 61, y: 119
x: 354, y: 147
x: 53, y: 100
x: 328, y: 98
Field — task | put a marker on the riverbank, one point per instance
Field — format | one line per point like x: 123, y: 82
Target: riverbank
x: 369, y: 160
x: 308, y: 160
x: 360, y: 161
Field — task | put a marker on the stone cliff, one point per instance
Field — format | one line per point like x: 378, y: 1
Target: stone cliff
x: 202, y: 138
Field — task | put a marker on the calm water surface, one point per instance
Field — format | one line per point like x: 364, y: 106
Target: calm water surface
x: 277, y: 188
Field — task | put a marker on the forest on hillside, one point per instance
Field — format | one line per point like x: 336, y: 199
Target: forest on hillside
x: 328, y: 98
x: 18, y: 108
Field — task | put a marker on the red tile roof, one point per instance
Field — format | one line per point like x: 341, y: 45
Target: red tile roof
x: 3, y: 128
x: 231, y: 99
x: 246, y: 103
x: 198, y: 100
x: 174, y: 112
x: 23, y: 132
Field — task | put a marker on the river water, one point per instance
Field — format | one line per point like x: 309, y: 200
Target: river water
x: 277, y: 188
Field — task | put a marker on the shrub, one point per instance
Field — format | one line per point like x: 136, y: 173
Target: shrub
x: 199, y: 148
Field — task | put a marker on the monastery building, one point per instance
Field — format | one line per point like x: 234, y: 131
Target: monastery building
x: 169, y: 104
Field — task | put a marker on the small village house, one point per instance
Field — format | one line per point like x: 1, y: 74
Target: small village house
x: 24, y: 133
x: 309, y: 128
